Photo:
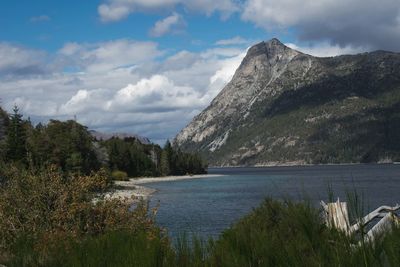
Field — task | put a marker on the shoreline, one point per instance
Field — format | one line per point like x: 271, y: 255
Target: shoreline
x: 301, y: 165
x: 147, y: 180
x: 133, y: 188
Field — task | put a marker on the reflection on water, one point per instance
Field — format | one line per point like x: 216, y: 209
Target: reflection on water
x: 208, y: 206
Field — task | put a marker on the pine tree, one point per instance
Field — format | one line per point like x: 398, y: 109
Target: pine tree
x: 3, y: 117
x: 169, y: 156
x: 16, y: 137
x: 3, y: 125
x: 164, y: 163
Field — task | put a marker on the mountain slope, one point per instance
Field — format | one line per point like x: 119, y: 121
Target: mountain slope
x: 283, y: 106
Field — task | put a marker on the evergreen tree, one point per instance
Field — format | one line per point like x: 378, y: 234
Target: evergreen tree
x: 16, y: 137
x: 164, y: 163
x: 3, y: 123
x: 3, y: 126
x: 169, y: 156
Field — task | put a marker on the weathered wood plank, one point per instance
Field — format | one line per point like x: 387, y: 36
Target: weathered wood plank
x: 337, y: 215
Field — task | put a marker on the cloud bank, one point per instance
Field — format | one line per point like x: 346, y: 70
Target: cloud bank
x: 115, y: 10
x: 120, y: 85
x: 358, y: 23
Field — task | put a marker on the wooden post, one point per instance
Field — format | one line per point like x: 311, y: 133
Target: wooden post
x: 337, y: 215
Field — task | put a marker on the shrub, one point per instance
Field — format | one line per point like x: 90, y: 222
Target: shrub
x: 119, y: 176
x: 48, y: 206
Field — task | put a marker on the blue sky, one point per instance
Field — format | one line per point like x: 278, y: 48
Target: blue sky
x: 149, y: 66
x: 50, y: 24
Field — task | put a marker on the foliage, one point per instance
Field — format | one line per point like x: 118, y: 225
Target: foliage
x: 132, y: 157
x: 274, y: 234
x: 294, y: 234
x: 119, y: 176
x: 3, y: 125
x: 48, y: 206
x: 16, y: 138
x: 68, y: 145
x: 176, y: 162
x: 118, y: 248
x: 164, y: 163
x: 138, y: 160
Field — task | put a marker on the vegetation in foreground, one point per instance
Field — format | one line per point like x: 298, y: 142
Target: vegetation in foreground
x: 41, y: 210
x: 275, y: 234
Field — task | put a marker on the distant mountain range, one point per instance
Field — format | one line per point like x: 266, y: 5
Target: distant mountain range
x: 107, y: 136
x: 286, y: 107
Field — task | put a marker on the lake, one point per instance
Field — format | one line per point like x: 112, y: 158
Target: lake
x: 207, y: 206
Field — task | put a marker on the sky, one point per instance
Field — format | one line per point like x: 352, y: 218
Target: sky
x: 149, y: 66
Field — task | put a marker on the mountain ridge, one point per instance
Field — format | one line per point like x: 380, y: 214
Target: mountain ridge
x: 282, y: 99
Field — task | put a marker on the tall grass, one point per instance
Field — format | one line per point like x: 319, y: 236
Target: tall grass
x: 120, y: 248
x: 277, y: 233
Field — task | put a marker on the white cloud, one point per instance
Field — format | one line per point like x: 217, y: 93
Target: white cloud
x: 326, y: 50
x: 237, y: 40
x: 358, y: 22
x: 222, y: 52
x: 86, y: 101
x: 115, y: 10
x: 101, y: 57
x: 172, y: 24
x: 157, y: 93
x: 110, y: 13
x: 18, y: 60
x: 70, y: 49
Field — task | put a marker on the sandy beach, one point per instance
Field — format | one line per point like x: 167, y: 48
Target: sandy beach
x: 134, y: 189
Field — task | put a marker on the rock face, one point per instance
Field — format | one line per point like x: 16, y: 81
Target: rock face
x: 285, y: 107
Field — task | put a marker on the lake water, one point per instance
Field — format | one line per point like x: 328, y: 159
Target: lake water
x: 208, y: 206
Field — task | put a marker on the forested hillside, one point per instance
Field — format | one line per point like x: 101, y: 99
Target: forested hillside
x: 71, y: 147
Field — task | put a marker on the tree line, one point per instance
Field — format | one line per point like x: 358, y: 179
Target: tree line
x: 70, y: 146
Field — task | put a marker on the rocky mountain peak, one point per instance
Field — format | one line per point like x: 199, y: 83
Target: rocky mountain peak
x: 270, y: 48
x: 264, y: 63
x: 265, y: 55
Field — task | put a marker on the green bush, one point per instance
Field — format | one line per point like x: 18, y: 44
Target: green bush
x: 119, y: 176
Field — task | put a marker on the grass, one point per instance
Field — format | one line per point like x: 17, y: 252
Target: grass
x: 275, y: 234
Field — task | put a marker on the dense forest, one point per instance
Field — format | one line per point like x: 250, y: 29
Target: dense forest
x: 70, y: 146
